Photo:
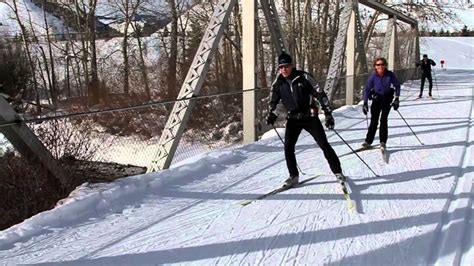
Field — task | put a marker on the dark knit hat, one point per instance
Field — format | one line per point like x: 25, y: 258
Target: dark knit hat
x: 425, y: 55
x: 284, y: 59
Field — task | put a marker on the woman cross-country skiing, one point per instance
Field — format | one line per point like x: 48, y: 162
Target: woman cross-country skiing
x: 381, y: 87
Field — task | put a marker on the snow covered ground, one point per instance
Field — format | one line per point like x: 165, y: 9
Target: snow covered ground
x: 27, y: 11
x: 418, y: 211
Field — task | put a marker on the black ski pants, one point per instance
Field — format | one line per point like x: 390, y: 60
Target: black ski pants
x: 380, y: 108
x: 314, y: 127
x: 430, y: 81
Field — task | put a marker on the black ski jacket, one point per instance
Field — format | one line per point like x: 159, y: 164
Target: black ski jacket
x: 299, y: 93
x: 426, y: 66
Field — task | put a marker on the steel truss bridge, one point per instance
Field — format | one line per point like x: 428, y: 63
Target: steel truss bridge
x: 348, y: 56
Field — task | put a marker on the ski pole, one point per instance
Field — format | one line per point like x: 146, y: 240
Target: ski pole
x: 409, y: 86
x: 367, y: 120
x: 282, y: 141
x: 355, y: 152
x: 436, y: 82
x: 409, y: 127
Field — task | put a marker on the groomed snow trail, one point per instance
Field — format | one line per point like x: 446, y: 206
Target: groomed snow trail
x: 418, y: 211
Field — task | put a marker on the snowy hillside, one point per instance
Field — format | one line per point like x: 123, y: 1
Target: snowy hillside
x: 457, y: 52
x: 418, y: 211
x: 111, y: 13
x: 27, y: 11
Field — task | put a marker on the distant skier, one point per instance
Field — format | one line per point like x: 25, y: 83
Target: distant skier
x: 379, y: 89
x: 300, y: 93
x: 425, y: 65
x: 442, y: 65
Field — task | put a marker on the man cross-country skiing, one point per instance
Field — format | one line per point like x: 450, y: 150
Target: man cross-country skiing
x: 425, y: 65
x: 300, y: 93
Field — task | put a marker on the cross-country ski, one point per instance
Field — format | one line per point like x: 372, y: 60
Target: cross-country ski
x: 276, y: 191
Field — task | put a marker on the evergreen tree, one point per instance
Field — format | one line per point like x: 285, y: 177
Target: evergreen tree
x: 464, y: 31
x: 441, y: 33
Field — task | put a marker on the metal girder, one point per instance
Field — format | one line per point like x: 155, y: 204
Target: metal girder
x: 413, y: 52
x: 387, y: 38
x: 389, y: 11
x: 409, y: 59
x: 26, y: 142
x: 416, y: 48
x: 350, y: 60
x: 335, y: 66
x: 361, y: 56
x: 271, y: 15
x: 390, y: 45
x: 191, y: 87
x: 356, y: 61
x: 390, y: 42
x: 249, y: 58
x: 412, y: 56
x: 249, y: 72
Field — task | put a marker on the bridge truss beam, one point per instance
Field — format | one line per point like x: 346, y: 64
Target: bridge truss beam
x: 26, y: 142
x: 191, y: 87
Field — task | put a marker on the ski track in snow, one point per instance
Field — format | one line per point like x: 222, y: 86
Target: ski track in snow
x: 411, y: 214
x: 457, y: 208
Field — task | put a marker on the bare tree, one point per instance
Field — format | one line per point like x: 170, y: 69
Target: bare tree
x: 85, y: 21
x: 27, y: 45
x: 128, y: 9
x: 173, y: 49
x: 53, y: 87
x: 142, y: 64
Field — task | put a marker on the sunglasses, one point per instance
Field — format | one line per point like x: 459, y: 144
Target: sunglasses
x: 380, y: 64
x: 285, y: 66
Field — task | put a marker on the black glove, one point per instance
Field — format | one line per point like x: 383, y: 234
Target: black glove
x: 365, y: 108
x: 329, y: 121
x: 396, y: 104
x: 271, y: 118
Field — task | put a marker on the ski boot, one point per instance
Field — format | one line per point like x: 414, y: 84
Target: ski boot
x: 365, y: 145
x: 383, y: 149
x: 341, y: 178
x: 291, y: 181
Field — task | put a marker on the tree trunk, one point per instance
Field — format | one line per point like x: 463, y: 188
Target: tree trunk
x: 143, y: 68
x: 126, y: 66
x: 172, y: 90
x: 24, y: 36
x: 53, y: 84
x: 48, y: 74
x: 95, y: 88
